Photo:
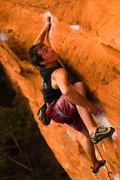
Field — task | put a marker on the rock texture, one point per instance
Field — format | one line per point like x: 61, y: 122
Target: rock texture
x: 86, y: 35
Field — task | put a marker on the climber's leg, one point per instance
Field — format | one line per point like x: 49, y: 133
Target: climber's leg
x: 89, y: 148
x: 84, y: 113
x: 96, y: 134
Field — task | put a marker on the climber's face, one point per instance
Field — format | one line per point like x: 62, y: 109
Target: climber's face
x: 47, y: 54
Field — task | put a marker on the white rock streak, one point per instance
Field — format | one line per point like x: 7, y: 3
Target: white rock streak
x: 116, y: 177
x: 3, y: 37
x: 75, y: 27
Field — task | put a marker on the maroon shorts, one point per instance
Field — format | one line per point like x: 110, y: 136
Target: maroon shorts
x: 68, y: 110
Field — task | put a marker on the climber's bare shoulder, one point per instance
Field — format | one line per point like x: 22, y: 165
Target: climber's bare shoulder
x: 59, y: 78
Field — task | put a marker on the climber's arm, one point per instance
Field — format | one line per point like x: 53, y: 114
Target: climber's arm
x: 43, y: 32
x: 60, y: 80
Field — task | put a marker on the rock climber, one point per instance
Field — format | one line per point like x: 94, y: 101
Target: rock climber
x: 71, y: 99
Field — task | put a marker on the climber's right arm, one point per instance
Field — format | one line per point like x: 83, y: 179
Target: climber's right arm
x: 43, y: 32
x: 60, y: 81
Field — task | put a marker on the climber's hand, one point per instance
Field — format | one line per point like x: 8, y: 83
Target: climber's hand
x: 94, y: 109
x: 47, y: 24
x: 44, y: 30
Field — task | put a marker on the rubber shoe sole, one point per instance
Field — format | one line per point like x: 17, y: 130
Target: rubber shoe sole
x: 101, y: 133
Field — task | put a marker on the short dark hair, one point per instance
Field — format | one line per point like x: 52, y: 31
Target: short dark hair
x: 35, y: 58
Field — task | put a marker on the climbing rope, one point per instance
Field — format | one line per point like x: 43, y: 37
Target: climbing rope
x: 109, y: 173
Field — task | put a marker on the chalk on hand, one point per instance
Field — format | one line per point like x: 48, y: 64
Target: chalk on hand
x: 100, y: 111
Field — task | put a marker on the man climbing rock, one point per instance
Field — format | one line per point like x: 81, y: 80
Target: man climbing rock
x: 67, y: 103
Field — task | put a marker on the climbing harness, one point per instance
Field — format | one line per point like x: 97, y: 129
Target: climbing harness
x: 109, y: 174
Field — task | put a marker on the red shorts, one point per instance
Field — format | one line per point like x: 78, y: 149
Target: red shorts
x: 67, y: 109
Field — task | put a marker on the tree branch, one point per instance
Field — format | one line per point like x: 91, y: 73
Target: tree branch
x: 20, y: 164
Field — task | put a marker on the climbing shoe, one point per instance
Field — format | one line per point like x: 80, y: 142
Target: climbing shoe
x: 95, y: 170
x: 101, y: 133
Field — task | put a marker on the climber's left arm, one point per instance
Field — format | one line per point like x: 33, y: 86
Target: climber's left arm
x: 43, y: 32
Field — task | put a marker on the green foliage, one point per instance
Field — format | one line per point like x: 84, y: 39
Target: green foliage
x: 15, y: 122
x: 18, y: 121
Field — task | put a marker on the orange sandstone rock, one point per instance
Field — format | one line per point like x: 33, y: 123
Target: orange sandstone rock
x: 86, y: 35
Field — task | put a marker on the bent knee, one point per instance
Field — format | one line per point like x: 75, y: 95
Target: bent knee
x: 80, y: 87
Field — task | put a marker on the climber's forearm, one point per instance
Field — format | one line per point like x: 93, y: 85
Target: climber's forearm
x: 41, y: 36
x: 44, y: 31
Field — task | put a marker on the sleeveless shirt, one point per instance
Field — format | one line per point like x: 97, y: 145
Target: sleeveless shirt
x: 49, y: 93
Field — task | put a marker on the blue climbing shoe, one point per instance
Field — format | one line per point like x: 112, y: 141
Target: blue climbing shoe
x: 101, y: 133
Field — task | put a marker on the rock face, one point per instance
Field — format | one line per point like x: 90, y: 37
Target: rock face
x: 86, y: 35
